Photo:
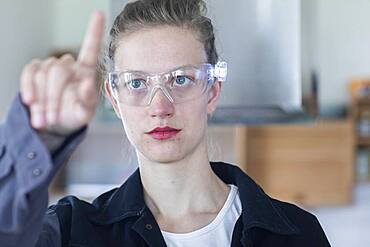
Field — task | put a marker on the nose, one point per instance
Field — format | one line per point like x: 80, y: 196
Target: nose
x: 160, y: 105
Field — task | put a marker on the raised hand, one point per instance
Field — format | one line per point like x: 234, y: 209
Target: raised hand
x: 62, y: 94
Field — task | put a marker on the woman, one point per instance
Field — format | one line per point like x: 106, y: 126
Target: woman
x: 164, y: 80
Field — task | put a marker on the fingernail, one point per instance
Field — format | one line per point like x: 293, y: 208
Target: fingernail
x: 52, y: 117
x: 37, y: 121
x: 81, y: 113
x: 26, y: 97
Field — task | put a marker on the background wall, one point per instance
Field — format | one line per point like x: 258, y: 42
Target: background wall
x: 341, y: 47
x: 26, y: 32
x: 71, y: 18
x: 337, y: 41
x: 34, y: 29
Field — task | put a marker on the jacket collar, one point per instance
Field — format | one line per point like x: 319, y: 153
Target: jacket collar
x: 258, y: 208
x: 120, y: 203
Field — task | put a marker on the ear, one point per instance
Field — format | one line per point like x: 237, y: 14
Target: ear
x: 213, y: 96
x: 112, y: 100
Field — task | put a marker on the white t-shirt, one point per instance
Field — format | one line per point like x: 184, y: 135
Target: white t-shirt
x: 217, y: 233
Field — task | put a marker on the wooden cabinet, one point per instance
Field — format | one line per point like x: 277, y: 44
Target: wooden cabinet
x: 359, y: 113
x: 308, y: 164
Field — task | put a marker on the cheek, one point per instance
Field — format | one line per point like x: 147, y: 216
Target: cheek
x: 131, y: 120
x: 200, y: 109
x: 196, y: 115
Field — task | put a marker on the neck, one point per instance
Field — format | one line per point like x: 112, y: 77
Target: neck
x: 182, y: 187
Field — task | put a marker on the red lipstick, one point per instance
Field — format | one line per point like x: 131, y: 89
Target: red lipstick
x: 163, y: 133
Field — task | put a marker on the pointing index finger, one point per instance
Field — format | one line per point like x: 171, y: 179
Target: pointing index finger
x: 92, y: 41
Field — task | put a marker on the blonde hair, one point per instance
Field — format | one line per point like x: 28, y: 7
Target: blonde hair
x: 150, y: 13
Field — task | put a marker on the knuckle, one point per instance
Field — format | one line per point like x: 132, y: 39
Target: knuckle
x: 43, y: 68
x: 53, y: 94
x: 59, y: 74
x: 40, y: 74
x: 57, y: 70
x: 67, y: 56
x: 50, y: 59
x: 28, y: 74
x: 35, y: 61
x: 34, y: 64
x: 30, y: 68
x: 48, y: 63
x: 52, y: 106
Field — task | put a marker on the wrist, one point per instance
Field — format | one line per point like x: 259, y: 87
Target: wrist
x: 52, y: 140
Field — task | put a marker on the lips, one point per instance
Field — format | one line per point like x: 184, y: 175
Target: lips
x: 163, y: 133
x: 163, y: 129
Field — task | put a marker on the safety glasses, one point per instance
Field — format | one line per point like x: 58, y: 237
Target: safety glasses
x: 179, y: 85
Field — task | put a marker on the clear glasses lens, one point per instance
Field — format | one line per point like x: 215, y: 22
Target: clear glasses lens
x: 179, y: 85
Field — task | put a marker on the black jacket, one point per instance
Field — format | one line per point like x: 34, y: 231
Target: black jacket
x: 121, y: 218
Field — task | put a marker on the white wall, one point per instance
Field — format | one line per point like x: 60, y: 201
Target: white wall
x: 336, y: 43
x: 339, y: 40
x: 25, y: 33
x: 342, y: 48
x: 31, y: 29
x: 71, y: 19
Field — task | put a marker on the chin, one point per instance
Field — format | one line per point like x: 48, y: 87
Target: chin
x: 164, y: 160
x: 166, y: 151
x: 164, y: 156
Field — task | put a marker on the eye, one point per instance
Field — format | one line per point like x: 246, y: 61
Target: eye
x: 182, y: 80
x: 136, y: 84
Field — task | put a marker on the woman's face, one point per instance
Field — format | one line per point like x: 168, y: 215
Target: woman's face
x: 156, y: 50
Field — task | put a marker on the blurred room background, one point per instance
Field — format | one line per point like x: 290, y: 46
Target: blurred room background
x: 320, y: 163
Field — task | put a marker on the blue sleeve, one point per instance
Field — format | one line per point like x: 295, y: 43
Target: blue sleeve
x: 26, y: 169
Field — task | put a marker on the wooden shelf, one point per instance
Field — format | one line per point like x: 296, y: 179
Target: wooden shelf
x: 363, y: 141
x: 362, y: 101
x: 360, y: 109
